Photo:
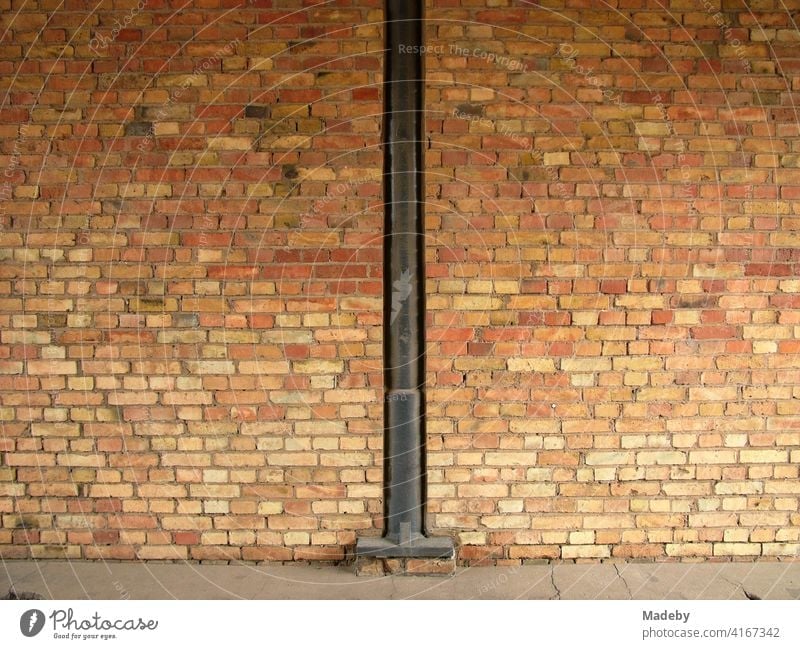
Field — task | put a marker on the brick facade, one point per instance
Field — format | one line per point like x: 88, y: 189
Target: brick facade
x: 190, y: 286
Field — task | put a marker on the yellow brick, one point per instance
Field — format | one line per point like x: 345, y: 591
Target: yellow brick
x: 747, y: 456
x: 531, y: 365
x: 689, y: 549
x: 660, y: 457
x: 168, y: 552
x: 712, y: 457
x: 186, y: 523
x: 713, y: 519
x: 541, y: 426
x: 727, y: 393
x: 56, y: 429
x: 600, y: 364
x: 661, y: 394
x: 511, y: 459
x: 736, y: 549
x: 52, y: 367
x: 296, y: 538
x: 609, y: 458
x: 781, y: 549
x: 609, y: 521
x: 585, y: 552
x: 763, y: 519
x: 482, y: 491
x: 292, y: 459
x: 318, y: 367
x: 581, y: 538
x: 768, y: 332
x: 533, y: 490
x: 476, y: 303
x: 652, y: 128
x: 750, y: 487
x: 515, y: 521
x: 472, y: 538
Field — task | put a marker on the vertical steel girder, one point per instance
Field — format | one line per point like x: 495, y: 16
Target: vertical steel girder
x: 404, y: 292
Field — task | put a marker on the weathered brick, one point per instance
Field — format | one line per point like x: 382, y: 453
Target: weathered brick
x: 736, y: 549
x: 585, y: 552
x: 609, y: 375
x: 531, y: 365
x: 609, y: 458
x: 511, y: 459
x: 748, y: 456
x: 51, y: 367
x: 712, y: 457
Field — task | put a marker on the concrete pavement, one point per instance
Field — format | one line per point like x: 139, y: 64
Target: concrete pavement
x: 153, y: 580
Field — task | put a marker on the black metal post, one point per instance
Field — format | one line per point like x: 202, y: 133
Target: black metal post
x: 404, y: 292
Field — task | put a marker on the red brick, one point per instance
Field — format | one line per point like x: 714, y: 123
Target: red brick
x: 190, y: 317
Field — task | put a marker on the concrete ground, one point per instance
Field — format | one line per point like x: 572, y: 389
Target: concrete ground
x: 110, y: 581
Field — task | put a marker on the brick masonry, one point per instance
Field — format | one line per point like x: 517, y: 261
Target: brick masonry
x: 190, y: 286
x: 372, y: 567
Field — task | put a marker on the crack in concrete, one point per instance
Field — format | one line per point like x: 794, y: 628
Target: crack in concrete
x: 728, y: 581
x: 739, y: 586
x: 622, y: 579
x: 553, y: 582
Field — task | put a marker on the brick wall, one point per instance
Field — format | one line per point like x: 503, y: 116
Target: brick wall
x: 190, y: 286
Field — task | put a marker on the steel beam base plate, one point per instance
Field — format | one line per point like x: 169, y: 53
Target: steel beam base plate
x: 422, y: 547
